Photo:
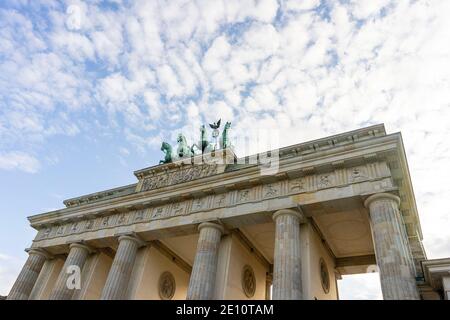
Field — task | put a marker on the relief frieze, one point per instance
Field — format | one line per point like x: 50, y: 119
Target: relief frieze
x: 325, y: 180
x: 358, y: 174
x: 244, y: 195
x: 138, y: 215
x: 159, y: 212
x: 122, y: 219
x: 271, y: 190
x: 179, y: 176
x: 286, y: 187
x: 221, y: 200
x: 90, y: 224
x: 297, y: 185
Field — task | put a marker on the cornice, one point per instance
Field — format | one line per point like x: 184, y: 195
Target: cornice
x: 101, y: 195
x: 408, y: 186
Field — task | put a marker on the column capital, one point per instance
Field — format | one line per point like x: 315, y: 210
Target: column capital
x: 39, y: 251
x: 379, y: 196
x: 211, y: 225
x: 81, y: 245
x: 290, y: 212
x: 132, y: 237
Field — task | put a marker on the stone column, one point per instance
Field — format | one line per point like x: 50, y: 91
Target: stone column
x: 203, y: 276
x: 287, y: 275
x: 77, y: 257
x: 119, y: 275
x: 27, y: 277
x: 41, y: 279
x: 391, y: 248
x: 446, y: 287
x: 269, y: 281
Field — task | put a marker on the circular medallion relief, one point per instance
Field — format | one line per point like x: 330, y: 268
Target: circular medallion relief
x: 248, y: 281
x: 324, y: 276
x: 166, y: 286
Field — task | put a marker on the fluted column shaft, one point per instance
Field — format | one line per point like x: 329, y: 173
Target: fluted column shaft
x: 203, y: 276
x: 446, y: 287
x: 392, y: 252
x: 28, y: 275
x: 269, y: 282
x: 119, y: 275
x: 77, y: 257
x: 287, y: 276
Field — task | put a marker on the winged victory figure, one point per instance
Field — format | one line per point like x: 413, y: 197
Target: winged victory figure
x: 215, y: 125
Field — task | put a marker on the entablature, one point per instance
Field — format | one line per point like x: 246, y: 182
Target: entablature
x: 367, y: 152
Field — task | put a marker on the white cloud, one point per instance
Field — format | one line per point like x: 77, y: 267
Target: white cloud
x: 124, y: 151
x: 16, y: 160
x: 217, y: 110
x: 301, y: 5
x: 9, y: 270
x: 265, y: 99
x: 168, y: 81
x: 360, y: 287
x: 217, y: 53
x: 261, y: 10
x: 262, y: 40
x: 258, y: 63
x: 78, y: 46
x: 151, y: 98
x: 362, y: 9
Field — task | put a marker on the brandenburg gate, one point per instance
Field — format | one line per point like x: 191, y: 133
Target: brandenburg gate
x: 209, y: 225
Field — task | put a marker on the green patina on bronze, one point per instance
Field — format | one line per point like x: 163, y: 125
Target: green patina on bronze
x: 183, y: 150
x: 203, y: 143
x: 203, y: 146
x: 225, y: 142
x: 167, y: 149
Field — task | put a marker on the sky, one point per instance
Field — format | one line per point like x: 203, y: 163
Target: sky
x: 90, y: 89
